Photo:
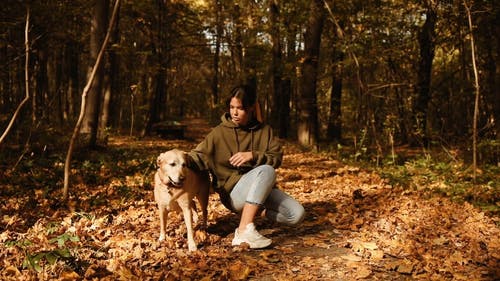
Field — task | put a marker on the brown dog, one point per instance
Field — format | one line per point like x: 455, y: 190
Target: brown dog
x: 175, y: 187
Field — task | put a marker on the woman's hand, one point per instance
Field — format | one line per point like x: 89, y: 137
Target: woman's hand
x: 240, y: 158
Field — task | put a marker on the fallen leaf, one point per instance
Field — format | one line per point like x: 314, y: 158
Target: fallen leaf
x: 369, y: 245
x: 351, y: 257
x: 363, y: 272
x: 69, y: 276
x: 270, y: 256
x: 405, y: 267
x: 458, y: 258
x: 11, y: 271
x: 239, y: 271
x: 200, y: 236
x: 376, y: 255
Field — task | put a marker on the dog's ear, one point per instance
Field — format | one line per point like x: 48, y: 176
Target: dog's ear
x: 159, y: 160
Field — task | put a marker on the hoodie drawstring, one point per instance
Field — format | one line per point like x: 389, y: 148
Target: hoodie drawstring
x: 237, y: 139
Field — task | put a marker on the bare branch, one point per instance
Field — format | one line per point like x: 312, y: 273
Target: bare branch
x: 26, y: 74
x: 84, y: 98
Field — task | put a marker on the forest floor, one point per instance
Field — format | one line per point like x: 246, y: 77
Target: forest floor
x: 358, y: 225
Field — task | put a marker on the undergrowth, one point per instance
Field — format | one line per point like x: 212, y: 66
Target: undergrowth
x: 437, y: 173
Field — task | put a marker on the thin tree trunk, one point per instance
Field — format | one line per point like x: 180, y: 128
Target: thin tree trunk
x: 284, y: 114
x: 277, y: 66
x: 110, y: 85
x: 334, y: 130
x: 477, y: 92
x: 72, y: 88
x: 83, y: 104
x: 237, y: 50
x: 26, y: 75
x: 218, y: 36
x: 290, y: 83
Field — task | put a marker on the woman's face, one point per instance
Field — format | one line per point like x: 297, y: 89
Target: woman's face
x: 239, y: 115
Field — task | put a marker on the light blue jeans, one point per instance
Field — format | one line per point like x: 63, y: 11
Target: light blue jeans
x: 258, y: 187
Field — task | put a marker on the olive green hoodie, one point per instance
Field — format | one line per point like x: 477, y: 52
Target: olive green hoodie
x: 226, y: 139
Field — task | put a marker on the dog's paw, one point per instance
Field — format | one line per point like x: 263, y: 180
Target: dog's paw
x: 192, y: 246
x: 162, y: 237
x: 195, y: 217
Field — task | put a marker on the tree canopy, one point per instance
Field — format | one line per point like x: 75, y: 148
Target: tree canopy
x: 406, y: 67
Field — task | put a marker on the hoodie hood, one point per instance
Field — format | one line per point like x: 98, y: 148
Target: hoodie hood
x: 251, y: 126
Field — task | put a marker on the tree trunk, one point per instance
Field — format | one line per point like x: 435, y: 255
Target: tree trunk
x: 110, y: 84
x: 284, y: 114
x: 218, y: 36
x: 307, y: 127
x: 72, y: 68
x: 277, y: 66
x: 157, y: 105
x: 334, y: 130
x: 41, y: 84
x: 426, y: 40
x: 99, y: 23
x: 289, y: 83
x: 237, y: 49
x: 495, y: 81
x: 476, y: 92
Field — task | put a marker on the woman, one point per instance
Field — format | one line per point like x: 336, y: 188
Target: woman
x: 242, y: 154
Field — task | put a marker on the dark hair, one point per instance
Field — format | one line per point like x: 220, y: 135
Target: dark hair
x: 245, y: 93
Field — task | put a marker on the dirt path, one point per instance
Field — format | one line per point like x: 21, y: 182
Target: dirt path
x: 357, y: 227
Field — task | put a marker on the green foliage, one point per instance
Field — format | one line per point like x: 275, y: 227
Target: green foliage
x: 449, y: 178
x: 63, y: 238
x: 489, y: 151
x: 36, y: 260
x: 23, y: 243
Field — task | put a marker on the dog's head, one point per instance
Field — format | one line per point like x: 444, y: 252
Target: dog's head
x: 172, y: 167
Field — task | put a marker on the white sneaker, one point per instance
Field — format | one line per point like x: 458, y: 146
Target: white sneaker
x: 252, y: 237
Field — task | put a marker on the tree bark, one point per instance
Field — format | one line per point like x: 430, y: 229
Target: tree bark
x: 276, y: 67
x: 99, y: 23
x: 218, y: 39
x: 494, y: 74
x: 289, y: 83
x: 334, y: 129
x: 237, y: 49
x: 41, y: 84
x: 157, y: 102
x: 307, y: 127
x: 426, y: 40
x: 284, y: 113
x: 72, y: 69
x: 110, y: 84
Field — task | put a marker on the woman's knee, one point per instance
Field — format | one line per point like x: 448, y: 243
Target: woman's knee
x: 297, y: 216
x: 268, y: 171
